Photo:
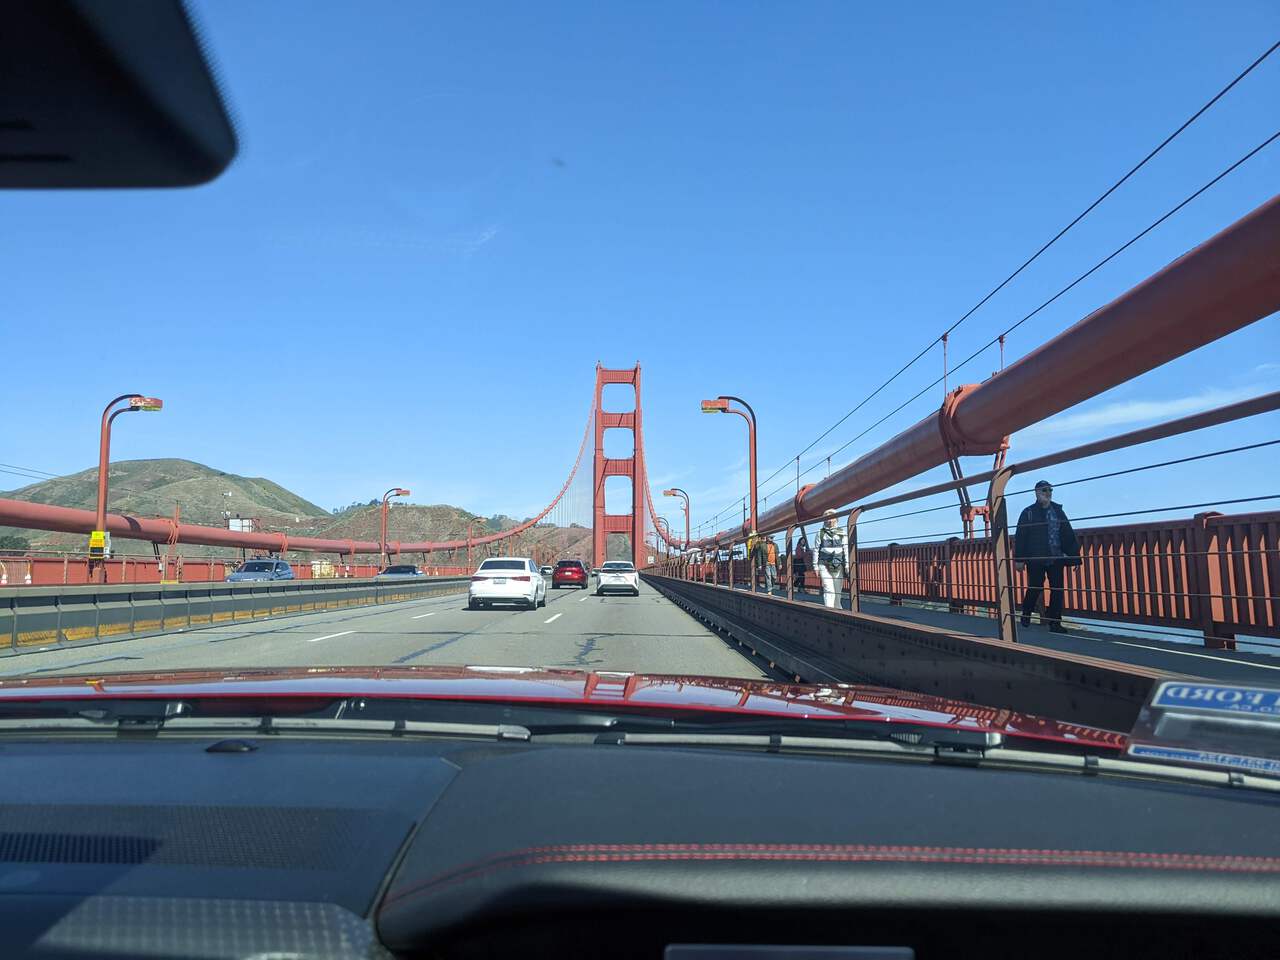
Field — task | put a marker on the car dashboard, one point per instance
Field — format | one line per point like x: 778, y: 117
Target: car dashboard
x: 377, y: 847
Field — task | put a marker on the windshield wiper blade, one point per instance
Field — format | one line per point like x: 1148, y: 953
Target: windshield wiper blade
x: 772, y: 731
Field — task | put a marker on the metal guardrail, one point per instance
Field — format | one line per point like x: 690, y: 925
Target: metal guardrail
x: 819, y: 645
x: 48, y: 617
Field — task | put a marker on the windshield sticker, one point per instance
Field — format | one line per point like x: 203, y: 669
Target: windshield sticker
x: 1220, y: 698
x: 1206, y: 757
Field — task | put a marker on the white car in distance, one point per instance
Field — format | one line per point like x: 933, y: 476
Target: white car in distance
x: 507, y: 580
x: 618, y: 576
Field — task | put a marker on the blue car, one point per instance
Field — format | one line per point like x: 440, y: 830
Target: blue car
x: 260, y: 570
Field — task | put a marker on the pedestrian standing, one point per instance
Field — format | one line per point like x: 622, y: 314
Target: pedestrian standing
x: 800, y: 562
x: 770, y: 565
x: 1045, y: 545
x: 831, y: 558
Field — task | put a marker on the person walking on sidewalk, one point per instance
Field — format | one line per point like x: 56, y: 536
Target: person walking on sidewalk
x: 831, y: 559
x: 1045, y: 545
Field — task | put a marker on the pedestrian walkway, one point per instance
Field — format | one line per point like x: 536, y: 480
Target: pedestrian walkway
x: 1172, y: 656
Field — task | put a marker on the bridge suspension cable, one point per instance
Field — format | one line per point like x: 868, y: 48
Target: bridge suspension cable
x: 1078, y: 280
x: 1031, y: 259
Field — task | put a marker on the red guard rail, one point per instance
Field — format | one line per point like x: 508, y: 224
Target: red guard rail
x: 70, y: 570
x: 1213, y: 573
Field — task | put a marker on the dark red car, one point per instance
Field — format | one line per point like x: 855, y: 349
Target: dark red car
x: 570, y: 573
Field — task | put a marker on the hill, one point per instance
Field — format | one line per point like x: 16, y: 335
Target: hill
x: 414, y: 522
x: 152, y: 487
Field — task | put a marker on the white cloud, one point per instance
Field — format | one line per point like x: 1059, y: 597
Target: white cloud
x: 1129, y: 412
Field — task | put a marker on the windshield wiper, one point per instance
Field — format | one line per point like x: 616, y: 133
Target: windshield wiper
x: 142, y: 717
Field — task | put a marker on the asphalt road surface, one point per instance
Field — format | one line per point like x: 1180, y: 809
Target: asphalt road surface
x: 576, y: 629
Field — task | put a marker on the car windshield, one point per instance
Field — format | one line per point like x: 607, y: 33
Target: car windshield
x: 860, y: 348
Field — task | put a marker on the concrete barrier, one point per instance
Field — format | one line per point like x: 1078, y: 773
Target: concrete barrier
x: 33, y: 618
x: 824, y: 646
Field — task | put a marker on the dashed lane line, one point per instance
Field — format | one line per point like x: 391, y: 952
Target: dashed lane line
x: 330, y: 636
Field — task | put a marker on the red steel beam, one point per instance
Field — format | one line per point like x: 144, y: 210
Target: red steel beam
x: 43, y: 516
x: 1228, y: 282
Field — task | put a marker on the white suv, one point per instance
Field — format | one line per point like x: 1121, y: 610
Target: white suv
x: 618, y: 576
x: 507, y: 580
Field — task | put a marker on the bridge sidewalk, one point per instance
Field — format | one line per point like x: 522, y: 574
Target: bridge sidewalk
x: 1173, y: 656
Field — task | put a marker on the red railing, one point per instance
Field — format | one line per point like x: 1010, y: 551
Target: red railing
x: 42, y: 570
x: 1212, y: 573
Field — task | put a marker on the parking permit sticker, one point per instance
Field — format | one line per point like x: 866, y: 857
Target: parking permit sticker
x: 1218, y: 725
x: 1219, y: 698
x: 1261, y: 765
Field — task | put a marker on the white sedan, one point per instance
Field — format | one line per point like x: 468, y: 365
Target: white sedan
x: 618, y: 576
x: 507, y: 580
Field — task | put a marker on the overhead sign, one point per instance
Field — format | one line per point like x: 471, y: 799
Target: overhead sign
x: 1223, y: 725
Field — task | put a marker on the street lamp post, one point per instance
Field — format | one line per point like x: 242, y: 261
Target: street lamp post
x: 721, y: 405
x: 666, y: 527
x: 98, y: 538
x: 677, y: 492
x: 382, y: 540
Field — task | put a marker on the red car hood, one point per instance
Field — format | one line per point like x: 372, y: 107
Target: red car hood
x: 611, y: 691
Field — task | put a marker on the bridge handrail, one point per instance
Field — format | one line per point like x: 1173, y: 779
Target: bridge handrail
x: 1213, y: 605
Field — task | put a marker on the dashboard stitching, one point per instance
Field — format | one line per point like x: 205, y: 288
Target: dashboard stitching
x: 838, y: 853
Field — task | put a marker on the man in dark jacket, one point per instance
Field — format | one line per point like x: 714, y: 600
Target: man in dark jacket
x: 1045, y: 544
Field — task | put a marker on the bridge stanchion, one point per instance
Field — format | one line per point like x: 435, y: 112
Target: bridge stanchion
x: 855, y: 581
x: 791, y: 562
x: 1002, y: 555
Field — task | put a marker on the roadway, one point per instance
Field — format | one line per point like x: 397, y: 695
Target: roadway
x: 576, y: 629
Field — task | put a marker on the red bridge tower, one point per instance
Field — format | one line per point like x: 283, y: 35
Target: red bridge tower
x: 631, y: 523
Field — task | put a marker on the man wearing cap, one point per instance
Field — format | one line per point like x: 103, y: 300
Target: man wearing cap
x: 1045, y: 544
x: 831, y: 558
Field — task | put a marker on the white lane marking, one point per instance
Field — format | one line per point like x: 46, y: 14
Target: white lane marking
x: 584, y: 599
x: 1202, y: 656
x: 421, y: 615
x: 330, y: 636
x: 556, y: 617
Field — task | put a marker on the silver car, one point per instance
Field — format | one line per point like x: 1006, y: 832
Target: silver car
x: 399, y: 571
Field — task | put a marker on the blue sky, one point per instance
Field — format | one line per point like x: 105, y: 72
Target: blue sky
x: 444, y: 215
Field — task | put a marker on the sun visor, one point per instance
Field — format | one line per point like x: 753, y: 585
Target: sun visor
x: 97, y: 93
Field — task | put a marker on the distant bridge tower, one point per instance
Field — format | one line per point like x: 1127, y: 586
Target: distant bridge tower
x: 631, y: 523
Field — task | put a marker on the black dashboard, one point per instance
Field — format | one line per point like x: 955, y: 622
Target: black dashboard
x: 315, y: 847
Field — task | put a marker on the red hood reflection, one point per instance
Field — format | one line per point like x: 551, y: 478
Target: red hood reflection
x: 549, y: 686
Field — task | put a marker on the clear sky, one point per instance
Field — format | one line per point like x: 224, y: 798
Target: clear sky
x: 443, y: 215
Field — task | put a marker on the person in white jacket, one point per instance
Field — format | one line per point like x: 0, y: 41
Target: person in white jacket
x: 831, y: 558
